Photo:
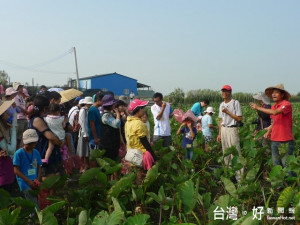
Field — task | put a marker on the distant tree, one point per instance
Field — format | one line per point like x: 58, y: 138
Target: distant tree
x: 177, y: 96
x: 3, y: 78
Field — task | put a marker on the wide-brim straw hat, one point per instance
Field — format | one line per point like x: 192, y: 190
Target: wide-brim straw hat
x: 269, y: 91
x: 4, y: 105
x: 69, y: 94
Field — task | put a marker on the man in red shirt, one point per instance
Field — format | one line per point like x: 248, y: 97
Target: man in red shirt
x: 281, y: 129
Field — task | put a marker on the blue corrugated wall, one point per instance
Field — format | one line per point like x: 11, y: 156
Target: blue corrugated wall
x: 115, y: 83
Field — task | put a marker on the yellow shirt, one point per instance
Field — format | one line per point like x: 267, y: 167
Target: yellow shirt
x: 134, y: 130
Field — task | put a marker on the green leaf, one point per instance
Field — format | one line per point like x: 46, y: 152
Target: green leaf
x: 115, y: 218
x: 83, y: 218
x: 6, y: 217
x: 102, y: 178
x: 49, y: 182
x: 151, y: 175
x: 276, y: 176
x: 113, y: 169
x: 206, y: 199
x: 275, y: 171
x: 138, y: 219
x: 88, y: 175
x: 231, y: 150
x: 117, y: 206
x: 285, y: 197
x: 46, y: 218
x: 53, y: 208
x: 155, y: 197
x: 5, y: 199
x: 96, y: 153
x: 103, y: 164
x: 252, y: 174
x: 229, y: 187
x: 260, y: 133
x: 187, y: 194
x: 121, y: 185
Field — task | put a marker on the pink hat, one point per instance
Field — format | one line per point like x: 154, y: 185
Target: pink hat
x: 25, y: 92
x: 137, y: 102
x: 10, y: 91
x: 226, y: 87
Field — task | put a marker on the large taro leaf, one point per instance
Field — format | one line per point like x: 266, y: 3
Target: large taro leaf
x: 151, y: 175
x: 92, y: 173
x: 5, y: 199
x: 248, y: 220
x: 103, y: 218
x: 295, y: 164
x: 46, y: 218
x: 49, y: 182
x: 285, y: 197
x: 9, y: 218
x: 113, y: 169
x: 83, y: 218
x: 26, y: 205
x: 250, y: 177
x: 276, y: 175
x: 188, y: 195
x: 96, y: 153
x: 231, y: 150
x: 138, y: 219
x: 229, y: 187
x: 221, y: 202
x: 121, y: 185
x: 53, y: 208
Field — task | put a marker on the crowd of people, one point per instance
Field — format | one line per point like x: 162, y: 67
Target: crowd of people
x: 42, y: 137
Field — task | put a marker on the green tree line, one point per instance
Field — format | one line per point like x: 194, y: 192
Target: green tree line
x: 179, y: 97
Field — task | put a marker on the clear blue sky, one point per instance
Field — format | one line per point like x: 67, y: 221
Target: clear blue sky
x: 191, y: 44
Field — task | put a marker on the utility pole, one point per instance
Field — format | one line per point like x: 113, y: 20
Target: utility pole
x: 77, y: 76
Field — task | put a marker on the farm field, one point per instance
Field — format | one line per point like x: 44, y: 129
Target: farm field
x: 177, y: 191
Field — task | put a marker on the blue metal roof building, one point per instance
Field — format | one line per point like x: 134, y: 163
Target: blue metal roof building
x: 114, y: 82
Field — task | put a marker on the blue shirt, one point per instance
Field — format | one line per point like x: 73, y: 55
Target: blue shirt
x: 206, y: 131
x: 187, y: 141
x: 197, y: 109
x: 94, y: 115
x: 28, y: 164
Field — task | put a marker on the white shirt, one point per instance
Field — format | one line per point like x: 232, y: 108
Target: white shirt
x: 72, y: 113
x: 162, y: 126
x: 233, y: 107
x: 83, y: 121
x: 55, y: 125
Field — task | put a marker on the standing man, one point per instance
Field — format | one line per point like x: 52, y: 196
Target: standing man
x: 21, y: 116
x: 131, y: 96
x: 94, y: 125
x: 162, y: 111
x: 230, y: 114
x: 198, y: 107
x: 281, y: 129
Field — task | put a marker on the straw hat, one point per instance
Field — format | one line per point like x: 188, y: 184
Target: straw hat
x: 263, y: 97
x: 280, y: 87
x: 4, y: 105
x: 69, y: 94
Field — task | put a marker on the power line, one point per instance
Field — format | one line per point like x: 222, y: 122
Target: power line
x: 53, y: 60
x: 32, y: 68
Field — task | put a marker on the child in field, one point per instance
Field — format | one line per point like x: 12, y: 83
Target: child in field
x: 145, y: 120
x: 56, y: 123
x: 207, y: 126
x: 28, y: 165
x: 189, y: 133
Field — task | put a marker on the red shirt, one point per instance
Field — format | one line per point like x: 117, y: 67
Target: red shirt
x: 282, y: 129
